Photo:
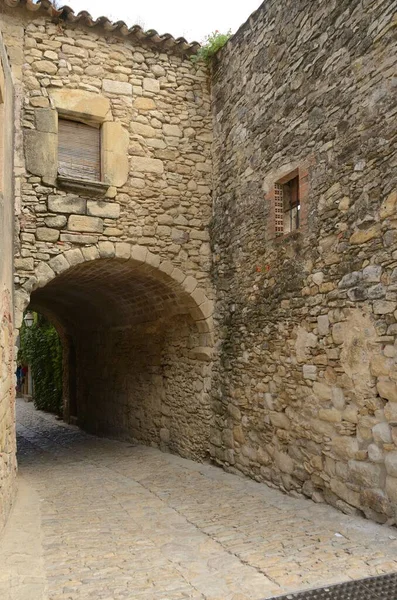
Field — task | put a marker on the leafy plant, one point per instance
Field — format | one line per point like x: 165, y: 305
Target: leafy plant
x: 41, y: 349
x: 213, y: 42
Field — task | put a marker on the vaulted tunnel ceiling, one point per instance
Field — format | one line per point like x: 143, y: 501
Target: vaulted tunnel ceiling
x: 108, y: 293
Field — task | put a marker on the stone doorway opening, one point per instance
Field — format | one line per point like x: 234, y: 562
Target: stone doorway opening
x: 136, y: 351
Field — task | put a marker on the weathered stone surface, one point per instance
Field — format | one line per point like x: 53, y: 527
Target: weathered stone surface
x: 391, y: 463
x: 45, y: 234
x: 366, y: 474
x: 387, y: 389
x: 85, y: 224
x: 46, y: 120
x: 57, y: 222
x: 172, y: 130
x: 115, y: 156
x: 41, y: 153
x: 106, y: 210
x: 66, y: 204
x: 117, y: 87
x: 151, y: 85
x: 81, y: 103
x: 146, y: 165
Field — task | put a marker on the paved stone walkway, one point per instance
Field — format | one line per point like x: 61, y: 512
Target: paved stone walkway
x: 104, y: 520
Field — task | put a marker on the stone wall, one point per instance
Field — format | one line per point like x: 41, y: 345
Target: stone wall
x: 306, y: 397
x: 7, y: 380
x: 145, y: 227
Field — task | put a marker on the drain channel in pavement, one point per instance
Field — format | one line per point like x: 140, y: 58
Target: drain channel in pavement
x: 374, y: 588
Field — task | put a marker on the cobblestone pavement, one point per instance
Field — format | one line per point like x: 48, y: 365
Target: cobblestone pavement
x: 105, y: 520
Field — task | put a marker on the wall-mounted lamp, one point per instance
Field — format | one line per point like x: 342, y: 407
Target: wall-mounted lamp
x: 28, y: 319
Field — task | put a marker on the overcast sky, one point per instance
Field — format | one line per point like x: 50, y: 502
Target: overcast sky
x: 192, y: 20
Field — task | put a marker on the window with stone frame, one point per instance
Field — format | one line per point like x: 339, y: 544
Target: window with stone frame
x: 287, y: 205
x: 79, y: 150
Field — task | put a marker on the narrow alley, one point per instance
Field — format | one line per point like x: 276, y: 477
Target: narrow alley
x: 102, y: 519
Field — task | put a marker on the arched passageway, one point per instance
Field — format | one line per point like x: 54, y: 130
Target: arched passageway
x: 137, y: 349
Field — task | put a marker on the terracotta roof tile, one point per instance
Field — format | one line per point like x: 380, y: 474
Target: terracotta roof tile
x: 67, y: 14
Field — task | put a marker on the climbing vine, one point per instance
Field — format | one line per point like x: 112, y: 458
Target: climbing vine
x: 213, y: 42
x: 40, y: 348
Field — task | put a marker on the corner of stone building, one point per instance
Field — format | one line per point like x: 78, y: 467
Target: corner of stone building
x: 7, y: 379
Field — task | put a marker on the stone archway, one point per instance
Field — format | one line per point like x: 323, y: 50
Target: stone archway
x: 142, y: 335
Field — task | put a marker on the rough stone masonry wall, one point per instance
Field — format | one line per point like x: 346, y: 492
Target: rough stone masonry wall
x: 307, y: 393
x: 7, y: 379
x: 154, y: 108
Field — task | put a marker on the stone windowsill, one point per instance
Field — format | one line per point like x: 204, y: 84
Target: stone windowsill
x: 83, y: 185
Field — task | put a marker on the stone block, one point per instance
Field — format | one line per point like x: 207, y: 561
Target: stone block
x: 46, y: 120
x: 41, y: 153
x: 59, y: 264
x: 66, y: 204
x: 106, y: 210
x: 387, y: 389
x: 189, y: 284
x: 310, y: 372
x: 384, y: 307
x: 391, y: 489
x: 44, y: 66
x: 338, y: 398
x: 284, y: 462
x: 144, y: 104
x: 56, y: 222
x: 172, y: 130
x: 151, y: 85
x: 366, y: 474
x: 375, y: 454
x: 280, y: 420
x: 145, y: 131
x: 138, y: 254
x: 123, y: 250
x: 365, y: 235
x: 330, y: 415
x: 121, y: 88
x: 81, y: 103
x: 372, y: 273
x: 44, y: 274
x: 142, y: 164
x: 45, y: 234
x: 85, y: 224
x: 388, y: 206
x: 90, y: 253
x: 74, y: 257
x: 381, y: 365
x: 115, y: 142
x: 348, y: 495
x: 323, y: 324
x: 322, y: 390
x: 391, y: 463
x: 381, y: 433
x: 106, y: 249
x: 391, y: 412
x: 344, y: 447
x: 24, y: 264
x: 76, y: 238
x: 338, y: 333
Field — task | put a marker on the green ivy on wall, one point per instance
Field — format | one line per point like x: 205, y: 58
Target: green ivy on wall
x: 41, y: 349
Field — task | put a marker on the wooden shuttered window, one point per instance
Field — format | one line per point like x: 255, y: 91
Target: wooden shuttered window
x: 79, y: 150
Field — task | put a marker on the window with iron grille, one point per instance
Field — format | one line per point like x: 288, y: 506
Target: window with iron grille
x: 79, y: 150
x: 287, y: 205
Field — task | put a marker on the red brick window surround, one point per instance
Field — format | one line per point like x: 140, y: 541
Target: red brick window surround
x: 288, y: 203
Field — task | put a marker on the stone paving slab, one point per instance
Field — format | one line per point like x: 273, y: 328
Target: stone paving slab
x: 119, y: 521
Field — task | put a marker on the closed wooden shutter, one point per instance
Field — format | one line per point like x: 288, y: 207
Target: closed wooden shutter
x: 79, y: 150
